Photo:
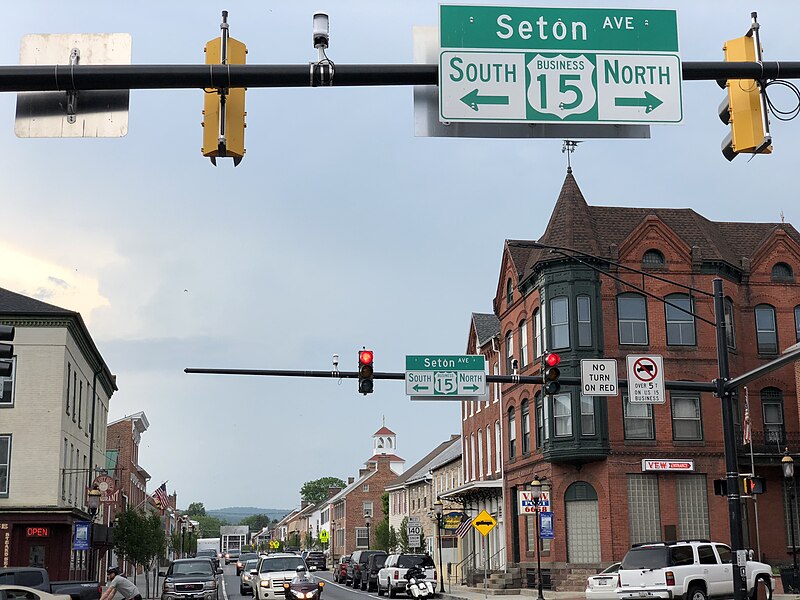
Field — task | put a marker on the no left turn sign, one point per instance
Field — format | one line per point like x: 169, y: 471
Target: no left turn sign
x: 646, y: 379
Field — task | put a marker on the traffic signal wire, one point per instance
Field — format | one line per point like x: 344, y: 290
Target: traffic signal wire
x: 782, y: 115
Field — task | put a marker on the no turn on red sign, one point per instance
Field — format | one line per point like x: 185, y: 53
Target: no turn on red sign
x: 646, y: 379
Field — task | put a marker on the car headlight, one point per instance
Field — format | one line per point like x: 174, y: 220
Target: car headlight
x: 264, y: 584
x: 246, y: 578
x: 210, y: 585
x: 169, y: 586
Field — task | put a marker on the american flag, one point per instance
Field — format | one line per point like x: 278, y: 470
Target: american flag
x: 464, y: 527
x: 747, y: 434
x: 160, y: 496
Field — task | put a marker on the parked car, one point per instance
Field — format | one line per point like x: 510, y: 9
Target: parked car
x: 190, y: 579
x: 245, y: 589
x: 604, y: 585
x: 212, y: 554
x: 272, y: 572
x: 358, y: 563
x: 231, y: 556
x: 369, y: 577
x: 340, y: 569
x: 316, y: 560
x: 243, y: 558
x: 694, y: 570
x: 38, y: 579
x: 391, y: 578
x: 19, y: 592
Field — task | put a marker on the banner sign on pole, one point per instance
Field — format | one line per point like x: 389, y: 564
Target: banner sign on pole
x: 81, y: 538
x: 546, y: 526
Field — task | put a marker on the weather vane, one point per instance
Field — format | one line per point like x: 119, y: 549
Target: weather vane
x: 568, y: 148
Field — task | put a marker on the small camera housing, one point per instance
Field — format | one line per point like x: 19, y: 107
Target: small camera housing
x: 321, y: 30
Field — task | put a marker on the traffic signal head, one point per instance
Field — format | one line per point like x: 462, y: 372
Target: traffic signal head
x: 753, y: 485
x: 550, y: 383
x: 6, y: 350
x: 744, y: 107
x: 365, y: 371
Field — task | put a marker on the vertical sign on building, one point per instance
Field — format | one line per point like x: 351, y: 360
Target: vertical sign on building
x: 81, y: 535
x: 4, y: 527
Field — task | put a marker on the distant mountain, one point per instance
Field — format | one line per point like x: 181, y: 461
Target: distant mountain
x: 234, y: 514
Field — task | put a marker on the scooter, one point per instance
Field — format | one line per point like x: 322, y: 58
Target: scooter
x: 417, y: 586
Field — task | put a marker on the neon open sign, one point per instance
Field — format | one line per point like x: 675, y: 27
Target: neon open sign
x: 38, y: 532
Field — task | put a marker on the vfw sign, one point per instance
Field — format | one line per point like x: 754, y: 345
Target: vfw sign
x: 527, y: 505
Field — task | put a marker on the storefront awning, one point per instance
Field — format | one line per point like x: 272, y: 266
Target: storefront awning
x: 475, y: 491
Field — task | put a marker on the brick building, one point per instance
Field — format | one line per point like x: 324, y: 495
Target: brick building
x: 362, y: 496
x: 592, y: 450
x: 53, y: 413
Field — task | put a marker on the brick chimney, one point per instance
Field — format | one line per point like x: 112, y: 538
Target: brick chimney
x: 351, y: 480
x: 332, y: 491
x: 303, y: 504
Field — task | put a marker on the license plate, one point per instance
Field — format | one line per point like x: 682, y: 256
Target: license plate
x: 644, y: 594
x: 602, y: 582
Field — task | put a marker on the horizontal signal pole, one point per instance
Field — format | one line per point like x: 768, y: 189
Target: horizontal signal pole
x: 42, y: 78
x: 685, y: 386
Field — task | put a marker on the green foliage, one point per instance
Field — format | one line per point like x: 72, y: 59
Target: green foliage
x: 392, y: 545
x: 209, y: 526
x: 183, y: 544
x: 382, y: 534
x: 294, y: 540
x: 316, y: 491
x: 196, y: 509
x: 256, y: 522
x: 248, y: 548
x: 385, y: 506
x: 139, y: 539
x: 402, y: 538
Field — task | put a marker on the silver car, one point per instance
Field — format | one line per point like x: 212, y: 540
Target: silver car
x: 245, y: 589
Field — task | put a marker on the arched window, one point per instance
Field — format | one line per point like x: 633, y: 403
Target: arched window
x: 782, y: 272
x: 632, y: 317
x: 797, y: 323
x: 509, y: 292
x: 539, y: 420
x: 653, y: 259
x: 509, y: 353
x: 526, y: 428
x: 523, y: 344
x: 680, y: 320
x: 766, y: 329
x: 497, y: 447
x: 537, y: 333
x: 512, y: 433
x: 488, y: 450
x: 772, y: 409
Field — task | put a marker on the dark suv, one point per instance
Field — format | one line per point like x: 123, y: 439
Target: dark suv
x: 358, y: 565
x: 369, y: 576
x: 315, y: 559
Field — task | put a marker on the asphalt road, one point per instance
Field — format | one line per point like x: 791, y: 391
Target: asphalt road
x: 332, y: 591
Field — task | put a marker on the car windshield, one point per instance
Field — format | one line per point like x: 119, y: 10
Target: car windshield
x: 206, y: 553
x: 251, y: 564
x: 288, y: 563
x: 193, y: 567
x: 248, y: 556
x: 654, y: 557
x: 410, y: 560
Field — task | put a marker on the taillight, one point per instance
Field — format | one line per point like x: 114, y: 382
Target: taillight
x: 670, y: 578
x: 434, y: 575
x: 396, y: 573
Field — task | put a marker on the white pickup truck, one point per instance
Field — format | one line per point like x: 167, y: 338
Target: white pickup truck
x: 689, y: 570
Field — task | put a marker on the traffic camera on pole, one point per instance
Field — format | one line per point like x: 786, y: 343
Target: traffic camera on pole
x: 223, y: 108
x: 550, y: 374
x: 745, y: 105
x: 365, y: 371
x: 6, y: 350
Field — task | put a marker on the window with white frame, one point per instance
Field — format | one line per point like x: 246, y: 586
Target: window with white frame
x: 509, y: 352
x: 523, y: 343
x: 498, y: 448
x: 638, y: 420
x: 5, y: 464
x: 686, y: 418
x: 480, y: 453
x: 7, y: 384
x: 512, y: 433
x: 488, y: 450
x: 562, y: 414
x: 537, y: 333
x: 366, y: 508
x: 365, y: 487
x: 680, y: 320
x: 362, y: 537
x: 559, y: 322
x: 472, y: 455
x: 584, y: 321
x: 526, y: 427
x: 587, y: 415
x: 632, y: 319
x: 497, y: 385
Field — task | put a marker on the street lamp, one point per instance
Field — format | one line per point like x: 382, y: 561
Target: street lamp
x: 331, y: 545
x: 787, y: 462
x: 368, y: 519
x: 94, y: 500
x: 438, y: 508
x: 536, y: 492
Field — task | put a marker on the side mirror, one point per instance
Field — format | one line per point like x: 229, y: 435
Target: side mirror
x: 253, y: 572
x: 219, y: 571
x: 162, y: 573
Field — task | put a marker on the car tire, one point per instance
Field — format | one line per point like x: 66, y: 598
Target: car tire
x: 364, y: 585
x: 754, y: 595
x: 696, y: 593
x: 390, y: 590
x: 380, y: 589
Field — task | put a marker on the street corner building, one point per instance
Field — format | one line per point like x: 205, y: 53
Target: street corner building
x: 617, y: 472
x: 53, y: 415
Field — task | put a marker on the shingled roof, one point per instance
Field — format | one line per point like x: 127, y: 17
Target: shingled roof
x: 594, y: 229
x: 12, y: 303
x: 486, y: 326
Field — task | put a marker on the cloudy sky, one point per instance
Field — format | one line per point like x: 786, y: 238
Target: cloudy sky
x: 340, y: 229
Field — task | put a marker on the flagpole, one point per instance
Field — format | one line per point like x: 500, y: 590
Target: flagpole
x: 753, y: 471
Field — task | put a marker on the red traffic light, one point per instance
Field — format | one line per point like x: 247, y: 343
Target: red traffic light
x: 365, y: 357
x: 552, y: 359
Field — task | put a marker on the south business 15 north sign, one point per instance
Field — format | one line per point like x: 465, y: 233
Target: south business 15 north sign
x: 545, y: 65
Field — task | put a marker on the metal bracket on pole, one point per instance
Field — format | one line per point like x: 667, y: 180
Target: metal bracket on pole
x: 72, y: 95
x: 223, y: 92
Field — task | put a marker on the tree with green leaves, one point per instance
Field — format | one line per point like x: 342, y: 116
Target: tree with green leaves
x: 196, y: 509
x: 256, y: 522
x: 316, y: 491
x: 209, y: 526
x: 393, y: 543
x: 139, y: 539
x: 382, y: 536
x: 402, y: 538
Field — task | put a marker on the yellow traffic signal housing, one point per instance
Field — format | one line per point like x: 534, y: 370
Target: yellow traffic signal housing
x: 231, y: 144
x: 743, y: 107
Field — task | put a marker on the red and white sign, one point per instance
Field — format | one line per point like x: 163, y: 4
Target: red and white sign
x: 527, y: 504
x: 107, y: 487
x: 646, y: 379
x: 650, y: 464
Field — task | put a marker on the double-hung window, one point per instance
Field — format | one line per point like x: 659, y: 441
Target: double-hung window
x: 7, y: 384
x: 686, y: 417
x: 587, y: 415
x: 766, y: 329
x: 526, y: 428
x: 523, y: 344
x: 680, y: 320
x: 562, y: 415
x: 5, y: 464
x: 559, y: 322
x: 639, y: 423
x: 512, y: 433
x: 584, y: 321
x: 632, y: 316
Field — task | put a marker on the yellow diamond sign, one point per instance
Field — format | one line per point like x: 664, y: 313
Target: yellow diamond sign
x: 484, y: 523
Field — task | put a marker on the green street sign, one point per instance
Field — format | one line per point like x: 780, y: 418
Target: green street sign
x: 559, y: 65
x: 446, y: 377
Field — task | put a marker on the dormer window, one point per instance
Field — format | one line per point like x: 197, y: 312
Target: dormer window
x: 653, y: 259
x: 782, y: 272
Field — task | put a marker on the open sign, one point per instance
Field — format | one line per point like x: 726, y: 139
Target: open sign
x: 37, y: 532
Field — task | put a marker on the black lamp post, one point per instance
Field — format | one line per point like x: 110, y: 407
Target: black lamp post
x: 536, y: 492
x: 438, y: 508
x: 787, y: 462
x: 368, y: 519
x: 331, y: 546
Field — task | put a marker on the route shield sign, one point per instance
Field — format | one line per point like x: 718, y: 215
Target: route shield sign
x: 446, y: 376
x: 558, y: 65
x: 646, y: 379
x: 484, y: 523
